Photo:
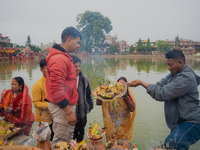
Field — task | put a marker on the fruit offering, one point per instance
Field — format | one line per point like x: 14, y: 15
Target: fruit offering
x: 109, y: 91
x: 73, y: 145
x: 96, y: 132
x: 61, y: 145
x: 121, y: 145
x: 6, y: 127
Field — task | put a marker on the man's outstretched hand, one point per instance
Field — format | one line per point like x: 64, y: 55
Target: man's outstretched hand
x: 136, y: 83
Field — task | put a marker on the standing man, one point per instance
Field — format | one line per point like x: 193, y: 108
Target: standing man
x: 85, y: 101
x: 61, y: 84
x: 179, y: 92
x: 39, y: 94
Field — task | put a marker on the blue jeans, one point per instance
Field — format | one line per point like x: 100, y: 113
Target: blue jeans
x: 184, y: 135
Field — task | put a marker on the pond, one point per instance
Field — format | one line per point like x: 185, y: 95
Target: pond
x: 150, y: 128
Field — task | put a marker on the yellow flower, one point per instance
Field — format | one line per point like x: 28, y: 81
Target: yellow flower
x: 5, y: 107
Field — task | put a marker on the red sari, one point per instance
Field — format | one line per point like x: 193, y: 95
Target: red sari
x: 17, y: 110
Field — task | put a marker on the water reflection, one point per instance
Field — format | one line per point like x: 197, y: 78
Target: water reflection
x: 105, y: 66
x: 7, y: 67
x: 97, y: 68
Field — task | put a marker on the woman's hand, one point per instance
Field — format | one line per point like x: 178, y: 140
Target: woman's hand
x: 129, y: 104
x: 98, y: 102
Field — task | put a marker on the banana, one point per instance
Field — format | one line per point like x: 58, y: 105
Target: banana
x: 2, y: 130
x: 80, y: 144
x: 1, y: 142
x: 60, y: 144
x: 94, y: 129
x: 12, y: 125
x: 3, y: 123
x: 11, y: 143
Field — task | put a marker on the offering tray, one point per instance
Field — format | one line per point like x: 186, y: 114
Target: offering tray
x: 122, y: 145
x: 6, y: 136
x: 108, y: 92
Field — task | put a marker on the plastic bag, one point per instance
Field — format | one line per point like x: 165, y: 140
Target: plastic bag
x: 42, y: 132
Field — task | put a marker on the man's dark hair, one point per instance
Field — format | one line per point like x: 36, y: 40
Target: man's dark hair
x: 43, y: 63
x: 70, y: 32
x: 175, y: 54
x: 75, y: 59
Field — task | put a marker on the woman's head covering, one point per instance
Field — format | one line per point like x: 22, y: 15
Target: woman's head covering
x: 122, y: 78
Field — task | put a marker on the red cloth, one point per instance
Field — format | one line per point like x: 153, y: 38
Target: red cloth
x: 131, y: 100
x: 61, y: 79
x: 21, y: 104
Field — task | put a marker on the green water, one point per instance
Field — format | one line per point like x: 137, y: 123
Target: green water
x: 150, y: 127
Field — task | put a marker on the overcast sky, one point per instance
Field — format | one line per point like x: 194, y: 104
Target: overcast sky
x: 44, y: 20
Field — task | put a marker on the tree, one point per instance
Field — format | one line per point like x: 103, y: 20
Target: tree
x: 28, y: 42
x: 132, y: 49
x: 35, y: 48
x: 93, y: 27
x: 140, y: 47
x: 113, y: 49
x: 148, y: 46
x: 177, y: 42
x: 163, y: 46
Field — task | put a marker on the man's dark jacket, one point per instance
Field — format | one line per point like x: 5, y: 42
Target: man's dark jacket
x: 180, y: 95
x: 85, y: 101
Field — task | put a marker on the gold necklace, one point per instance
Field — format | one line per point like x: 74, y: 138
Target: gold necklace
x: 16, y: 94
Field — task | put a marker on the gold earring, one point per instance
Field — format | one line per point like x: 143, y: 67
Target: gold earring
x: 20, y: 88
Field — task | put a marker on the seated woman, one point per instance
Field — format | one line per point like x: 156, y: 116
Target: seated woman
x: 119, y: 118
x: 16, y: 105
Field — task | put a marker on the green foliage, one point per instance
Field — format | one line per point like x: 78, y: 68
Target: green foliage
x: 113, y: 49
x: 93, y: 27
x: 177, y: 42
x: 132, y: 49
x: 140, y: 47
x: 28, y: 42
x: 144, y: 65
x: 163, y: 46
x: 86, y: 44
x: 148, y: 46
x: 35, y: 48
x: 18, y: 46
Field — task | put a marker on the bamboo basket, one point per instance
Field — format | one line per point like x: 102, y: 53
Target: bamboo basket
x: 94, y: 92
x: 6, y: 136
x: 19, y: 147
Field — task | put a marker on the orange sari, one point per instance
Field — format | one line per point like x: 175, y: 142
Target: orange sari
x: 17, y: 110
